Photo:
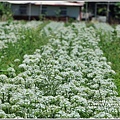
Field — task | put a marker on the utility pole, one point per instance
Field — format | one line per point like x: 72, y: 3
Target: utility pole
x: 86, y: 12
x: 40, y: 8
x: 29, y: 11
x: 41, y: 11
x: 95, y: 10
x: 107, y: 15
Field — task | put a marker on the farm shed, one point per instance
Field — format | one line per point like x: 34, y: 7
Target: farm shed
x: 60, y: 10
x: 101, y: 10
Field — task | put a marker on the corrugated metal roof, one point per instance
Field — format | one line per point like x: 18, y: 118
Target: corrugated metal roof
x: 60, y: 3
x: 21, y: 2
x: 101, y: 0
x: 24, y: 2
x: 66, y: 3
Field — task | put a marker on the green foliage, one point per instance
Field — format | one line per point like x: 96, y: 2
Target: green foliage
x: 30, y: 39
x: 111, y: 51
x: 71, y: 20
x: 89, y: 24
x: 102, y: 11
x: 5, y: 11
x: 43, y: 16
x: 117, y: 10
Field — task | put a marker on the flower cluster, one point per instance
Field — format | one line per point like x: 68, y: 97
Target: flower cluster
x: 49, y: 29
x: 67, y: 78
x: 105, y: 30
x: 9, y: 33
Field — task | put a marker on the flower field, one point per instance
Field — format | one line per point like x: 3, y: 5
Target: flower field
x: 66, y: 77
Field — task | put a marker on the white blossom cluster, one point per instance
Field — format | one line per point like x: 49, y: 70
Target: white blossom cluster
x: 105, y: 30
x: 33, y: 24
x: 53, y: 27
x: 67, y: 78
x: 104, y: 27
x: 9, y: 33
x: 118, y: 31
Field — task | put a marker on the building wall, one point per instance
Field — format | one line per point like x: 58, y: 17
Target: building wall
x: 35, y: 10
x: 16, y: 11
x: 51, y: 11
x: 71, y: 11
x: 74, y: 12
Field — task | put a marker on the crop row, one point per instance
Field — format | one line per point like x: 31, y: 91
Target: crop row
x: 67, y: 78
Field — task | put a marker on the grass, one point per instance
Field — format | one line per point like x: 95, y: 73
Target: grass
x: 32, y: 40
x: 111, y: 51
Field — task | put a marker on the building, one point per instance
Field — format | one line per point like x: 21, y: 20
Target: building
x: 54, y: 10
x: 103, y: 11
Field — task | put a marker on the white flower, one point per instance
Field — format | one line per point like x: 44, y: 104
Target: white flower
x: 103, y: 115
x: 10, y: 69
x: 2, y: 114
x: 3, y: 77
x: 17, y: 60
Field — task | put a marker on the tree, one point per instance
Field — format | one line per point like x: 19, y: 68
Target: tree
x: 117, y: 10
x: 5, y: 11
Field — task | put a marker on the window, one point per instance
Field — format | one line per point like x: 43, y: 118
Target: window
x: 23, y: 9
x: 44, y: 10
x: 63, y: 11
